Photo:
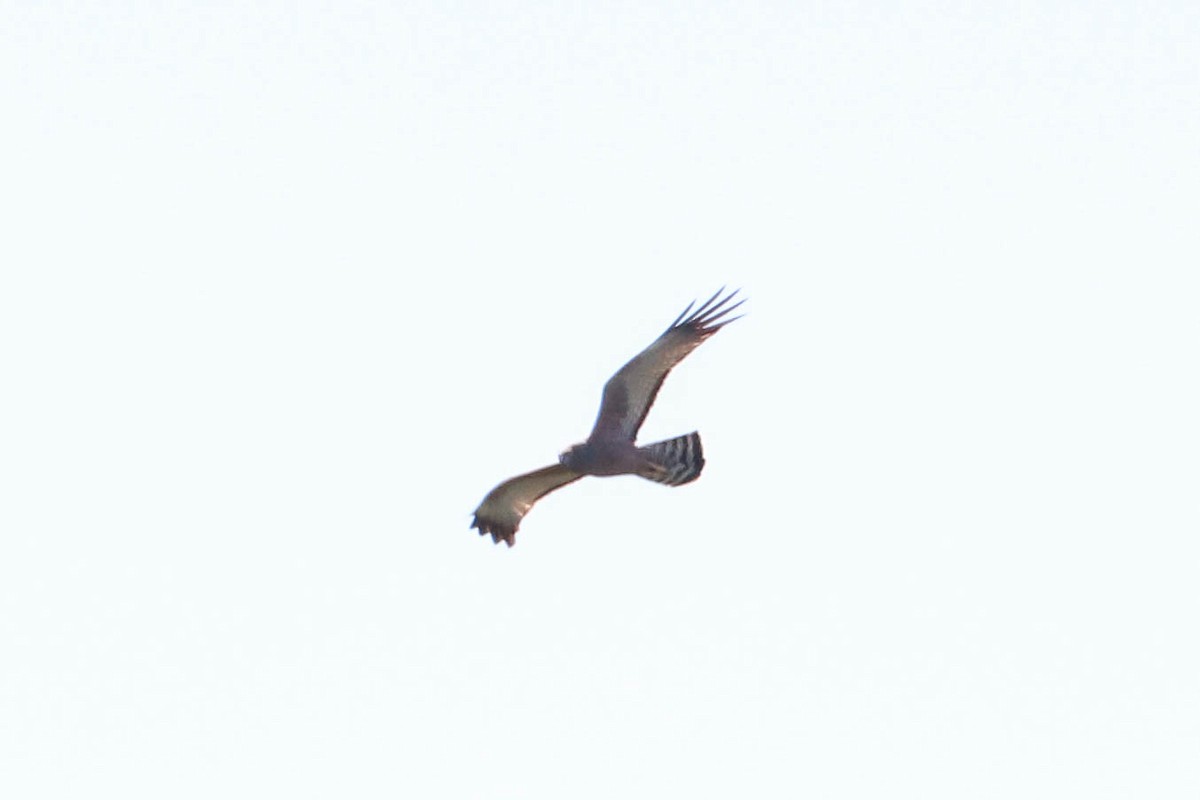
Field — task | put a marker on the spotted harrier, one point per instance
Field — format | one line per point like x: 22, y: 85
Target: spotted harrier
x: 611, y: 447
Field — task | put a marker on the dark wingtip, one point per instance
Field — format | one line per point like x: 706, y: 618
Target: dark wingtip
x: 708, y: 318
x: 682, y: 315
x: 498, y: 533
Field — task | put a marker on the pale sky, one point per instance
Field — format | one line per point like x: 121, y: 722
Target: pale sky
x: 288, y: 287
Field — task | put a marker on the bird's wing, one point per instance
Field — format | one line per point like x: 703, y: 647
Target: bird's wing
x: 629, y: 394
x: 501, y: 511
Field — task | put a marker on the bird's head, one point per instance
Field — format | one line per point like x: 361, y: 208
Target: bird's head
x: 573, y: 456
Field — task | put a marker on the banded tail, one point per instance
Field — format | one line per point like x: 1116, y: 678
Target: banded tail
x: 676, y: 461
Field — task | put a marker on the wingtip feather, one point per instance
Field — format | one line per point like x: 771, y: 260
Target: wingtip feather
x: 708, y: 316
x: 681, y: 316
x: 498, y: 532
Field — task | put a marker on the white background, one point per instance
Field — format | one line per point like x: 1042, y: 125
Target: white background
x: 287, y: 287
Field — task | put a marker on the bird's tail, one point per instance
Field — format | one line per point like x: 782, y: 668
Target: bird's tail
x: 674, y: 462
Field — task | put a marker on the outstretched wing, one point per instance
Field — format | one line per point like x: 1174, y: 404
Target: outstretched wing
x: 501, y: 511
x: 629, y: 394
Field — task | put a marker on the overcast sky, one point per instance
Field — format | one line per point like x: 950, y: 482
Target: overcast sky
x: 288, y: 287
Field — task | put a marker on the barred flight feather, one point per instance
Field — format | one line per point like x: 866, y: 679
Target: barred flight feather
x: 680, y: 459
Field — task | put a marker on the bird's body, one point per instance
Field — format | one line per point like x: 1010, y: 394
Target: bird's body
x: 606, y: 458
x: 611, y: 448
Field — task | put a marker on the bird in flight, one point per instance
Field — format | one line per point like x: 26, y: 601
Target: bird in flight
x: 611, y: 448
